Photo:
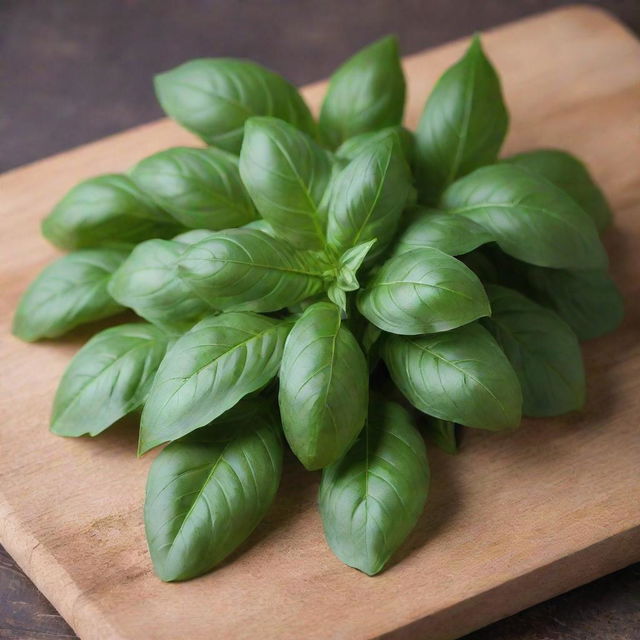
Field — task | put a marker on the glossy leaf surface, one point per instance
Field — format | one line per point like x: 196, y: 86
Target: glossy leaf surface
x: 108, y: 209
x: 367, y: 199
x: 148, y: 282
x: 286, y: 173
x: 530, y: 218
x: 572, y: 176
x: 245, y: 269
x: 213, y: 97
x: 324, y: 387
x: 372, y: 498
x: 69, y: 292
x: 451, y: 234
x: 463, y: 124
x: 201, y: 188
x: 208, y: 491
x: 207, y: 371
x: 107, y: 379
x: 423, y: 291
x: 460, y: 375
x: 365, y: 94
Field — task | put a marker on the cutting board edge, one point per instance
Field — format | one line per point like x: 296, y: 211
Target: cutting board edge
x: 616, y: 552
x: 87, y: 620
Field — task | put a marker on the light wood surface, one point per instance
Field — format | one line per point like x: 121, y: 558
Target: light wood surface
x: 511, y: 520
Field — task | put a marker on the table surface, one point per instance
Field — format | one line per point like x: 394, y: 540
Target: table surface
x: 74, y: 72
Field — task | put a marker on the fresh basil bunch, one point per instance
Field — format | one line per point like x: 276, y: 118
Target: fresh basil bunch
x: 284, y: 274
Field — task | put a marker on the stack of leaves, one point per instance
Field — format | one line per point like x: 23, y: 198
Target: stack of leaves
x: 293, y: 276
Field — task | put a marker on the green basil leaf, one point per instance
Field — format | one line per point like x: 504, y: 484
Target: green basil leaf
x: 423, y: 291
x: 212, y: 97
x: 588, y: 301
x: 107, y: 379
x: 372, y: 498
x: 286, y: 173
x: 69, y: 292
x: 193, y: 236
x: 207, y: 371
x: 530, y: 218
x: 570, y: 175
x: 208, y: 491
x: 463, y: 125
x: 245, y: 269
x: 454, y: 235
x: 356, y: 145
x: 460, y: 375
x: 106, y: 210
x: 543, y: 351
x: 366, y: 93
x: 443, y: 434
x: 201, y: 188
x: 148, y: 282
x: 321, y: 360
x: 367, y: 198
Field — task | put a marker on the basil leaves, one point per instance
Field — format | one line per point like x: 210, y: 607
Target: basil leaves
x: 292, y: 279
x: 214, y: 97
x: 423, y: 291
x: 200, y: 188
x: 107, y: 379
x: 463, y: 125
x: 224, y: 357
x: 109, y: 209
x: 461, y: 376
x: 321, y: 360
x: 372, y: 498
x: 68, y: 293
x: 286, y: 173
x: 365, y: 94
x: 208, y: 491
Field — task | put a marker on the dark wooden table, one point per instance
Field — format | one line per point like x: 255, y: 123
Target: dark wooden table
x: 75, y: 71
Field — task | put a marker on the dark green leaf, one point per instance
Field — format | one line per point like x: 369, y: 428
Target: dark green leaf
x: 107, y: 379
x: 208, y: 491
x: 367, y: 198
x: 423, y: 291
x: 460, y: 375
x: 108, y: 209
x: 321, y: 361
x: 463, y: 125
x: 207, y: 371
x: 543, y: 351
x: 530, y: 218
x: 443, y: 434
x: 372, y: 498
x: 588, y: 301
x: 286, y: 173
x: 69, y: 292
x: 365, y: 94
x: 571, y: 175
x: 245, y: 269
x: 454, y: 235
x: 214, y: 96
x: 354, y: 146
x: 148, y: 282
x: 201, y: 188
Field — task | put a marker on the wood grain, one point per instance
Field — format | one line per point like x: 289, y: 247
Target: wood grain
x: 511, y: 521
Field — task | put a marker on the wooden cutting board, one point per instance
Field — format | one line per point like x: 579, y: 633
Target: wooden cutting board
x: 511, y: 520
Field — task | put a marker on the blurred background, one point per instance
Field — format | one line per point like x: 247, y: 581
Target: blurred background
x: 73, y: 71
